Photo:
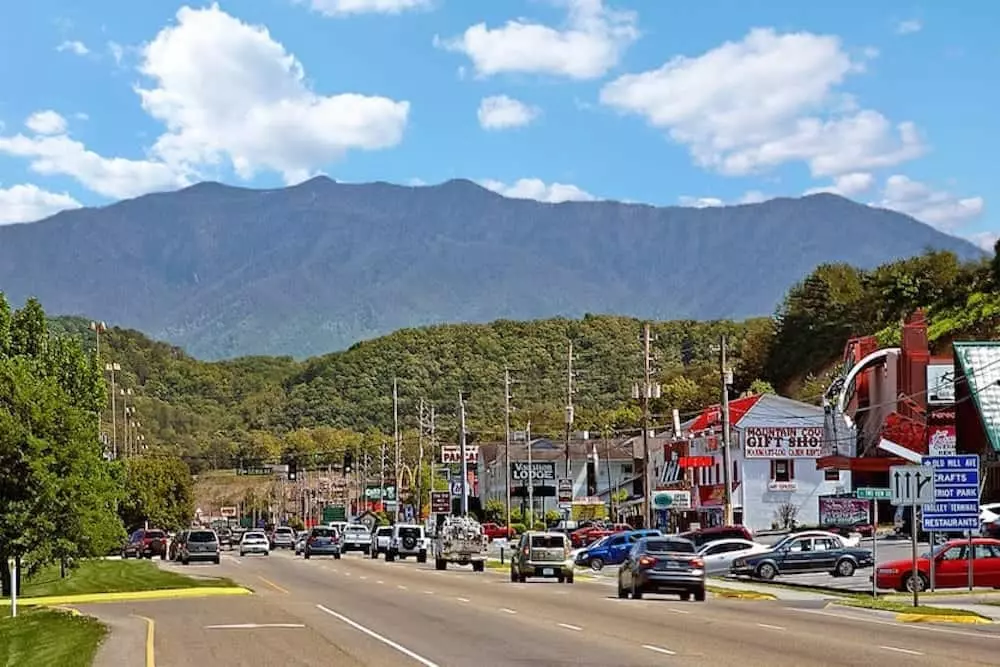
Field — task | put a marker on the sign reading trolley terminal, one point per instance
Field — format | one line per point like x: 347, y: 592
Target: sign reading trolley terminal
x: 783, y: 442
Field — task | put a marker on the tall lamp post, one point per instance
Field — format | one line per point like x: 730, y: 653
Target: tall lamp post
x: 112, y: 368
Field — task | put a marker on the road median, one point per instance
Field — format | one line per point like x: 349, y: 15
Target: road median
x: 921, y: 614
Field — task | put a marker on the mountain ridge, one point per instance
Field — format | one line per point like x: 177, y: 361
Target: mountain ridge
x: 228, y: 271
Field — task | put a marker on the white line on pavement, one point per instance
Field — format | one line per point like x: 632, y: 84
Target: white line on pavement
x: 901, y: 650
x: 769, y: 627
x: 507, y: 611
x: 574, y: 628
x: 429, y: 592
x: 903, y: 626
x: 374, y: 635
x: 657, y: 649
x: 677, y: 611
x: 401, y: 587
x: 253, y: 626
x: 462, y: 599
x: 379, y: 582
x: 363, y: 577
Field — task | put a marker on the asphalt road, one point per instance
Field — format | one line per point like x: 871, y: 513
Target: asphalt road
x: 356, y: 611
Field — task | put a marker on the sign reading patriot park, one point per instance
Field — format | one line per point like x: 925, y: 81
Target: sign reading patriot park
x: 783, y: 442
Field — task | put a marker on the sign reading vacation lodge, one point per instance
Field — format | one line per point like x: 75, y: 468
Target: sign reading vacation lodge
x: 783, y: 442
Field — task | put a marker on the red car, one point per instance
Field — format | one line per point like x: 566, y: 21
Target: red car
x: 951, y: 567
x: 495, y: 531
x: 586, y: 536
x: 146, y: 544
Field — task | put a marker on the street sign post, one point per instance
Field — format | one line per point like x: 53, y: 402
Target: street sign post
x: 441, y: 502
x: 565, y: 490
x: 912, y: 485
x: 956, y: 498
x: 874, y: 495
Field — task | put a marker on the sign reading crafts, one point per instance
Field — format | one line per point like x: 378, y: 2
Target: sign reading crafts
x: 783, y: 442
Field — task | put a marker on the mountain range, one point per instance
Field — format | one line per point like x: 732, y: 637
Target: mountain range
x: 226, y: 271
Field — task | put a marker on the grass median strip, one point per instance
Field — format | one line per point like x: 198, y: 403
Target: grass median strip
x: 907, y: 612
x: 46, y: 637
x: 738, y: 594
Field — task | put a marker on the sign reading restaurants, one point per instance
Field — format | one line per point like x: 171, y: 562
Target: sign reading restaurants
x: 783, y: 442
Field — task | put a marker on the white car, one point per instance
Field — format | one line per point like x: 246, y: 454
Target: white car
x: 255, y: 542
x: 380, y: 541
x: 719, y: 555
x: 852, y: 542
x: 300, y: 541
x: 355, y: 537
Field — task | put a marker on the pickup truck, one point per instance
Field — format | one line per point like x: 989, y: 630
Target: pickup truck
x: 495, y: 531
x: 355, y: 537
x: 460, y: 540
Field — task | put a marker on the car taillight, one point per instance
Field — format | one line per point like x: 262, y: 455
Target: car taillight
x: 697, y: 563
x: 647, y: 561
x: 527, y: 551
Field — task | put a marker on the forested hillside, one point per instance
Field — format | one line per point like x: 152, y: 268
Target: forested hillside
x: 216, y: 413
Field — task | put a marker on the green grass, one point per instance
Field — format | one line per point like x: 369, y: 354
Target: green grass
x: 111, y: 576
x: 793, y: 587
x: 903, y: 608
x: 42, y: 638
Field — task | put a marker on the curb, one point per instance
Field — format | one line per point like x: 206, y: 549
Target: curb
x: 943, y: 618
x: 132, y: 596
x: 741, y: 595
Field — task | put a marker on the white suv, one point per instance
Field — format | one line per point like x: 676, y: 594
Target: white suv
x: 380, y: 541
x: 407, y: 540
x: 355, y: 537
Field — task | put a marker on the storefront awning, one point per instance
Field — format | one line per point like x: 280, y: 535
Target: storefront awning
x: 980, y: 366
x: 859, y: 464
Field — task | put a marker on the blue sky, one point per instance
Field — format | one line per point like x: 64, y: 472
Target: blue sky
x: 691, y: 103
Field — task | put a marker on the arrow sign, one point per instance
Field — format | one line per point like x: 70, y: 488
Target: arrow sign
x: 911, y: 485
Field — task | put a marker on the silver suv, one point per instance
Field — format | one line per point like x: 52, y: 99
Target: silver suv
x: 407, y: 540
x: 380, y: 541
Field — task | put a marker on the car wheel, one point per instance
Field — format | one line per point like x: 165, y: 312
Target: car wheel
x: 845, y: 568
x: 636, y: 592
x: 685, y: 597
x: 374, y: 554
x: 622, y: 593
x: 336, y: 556
x: 217, y: 560
x: 306, y: 555
x: 513, y: 576
x: 597, y: 565
x: 569, y: 578
x: 442, y: 564
x: 478, y: 566
x: 766, y: 571
x: 523, y: 578
x: 699, y: 595
x: 185, y: 561
x: 422, y: 557
x: 560, y: 579
x: 918, y: 582
x: 389, y: 556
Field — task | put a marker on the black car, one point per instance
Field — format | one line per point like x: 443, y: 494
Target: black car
x: 662, y: 565
x: 808, y: 553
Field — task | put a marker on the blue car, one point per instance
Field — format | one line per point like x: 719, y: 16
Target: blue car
x: 322, y: 541
x: 612, y: 550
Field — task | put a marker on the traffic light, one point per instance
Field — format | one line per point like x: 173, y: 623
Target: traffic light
x: 348, y: 462
x: 293, y: 470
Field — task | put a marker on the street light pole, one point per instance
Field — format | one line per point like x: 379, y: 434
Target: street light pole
x: 464, y: 469
x: 113, y: 368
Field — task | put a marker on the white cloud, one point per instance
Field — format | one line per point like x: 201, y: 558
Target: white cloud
x: 590, y: 44
x: 117, y: 52
x: 226, y: 89
x: 749, y: 197
x: 111, y: 177
x: 985, y: 240
x: 27, y: 203
x: 534, y: 188
x: 349, y: 7
x: 501, y: 112
x: 770, y: 99
x: 46, y: 122
x: 848, y: 185
x: 935, y: 207
x: 73, y: 46
x: 909, y: 27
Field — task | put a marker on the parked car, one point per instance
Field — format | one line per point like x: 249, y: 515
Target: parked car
x: 662, y: 565
x: 225, y: 537
x: 283, y: 538
x: 541, y: 554
x: 495, y: 531
x: 173, y: 552
x: 200, y: 545
x: 611, y: 551
x: 588, y: 535
x: 255, y: 542
x: 300, y: 541
x: 380, y: 541
x: 848, y: 540
x: 146, y: 544
x: 356, y: 537
x: 951, y: 567
x: 809, y: 553
x: 703, y: 536
x: 322, y: 541
x: 989, y: 518
x: 719, y: 555
x: 407, y: 540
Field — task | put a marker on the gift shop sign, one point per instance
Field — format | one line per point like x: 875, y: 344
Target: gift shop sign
x: 783, y: 442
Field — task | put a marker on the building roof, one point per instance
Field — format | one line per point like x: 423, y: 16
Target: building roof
x: 980, y: 364
x: 710, y: 416
x: 544, y: 449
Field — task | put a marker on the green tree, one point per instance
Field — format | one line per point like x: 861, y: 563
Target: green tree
x: 159, y: 491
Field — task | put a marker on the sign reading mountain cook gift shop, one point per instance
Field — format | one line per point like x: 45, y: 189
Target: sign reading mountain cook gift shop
x: 783, y: 442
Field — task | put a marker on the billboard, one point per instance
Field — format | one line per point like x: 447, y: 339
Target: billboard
x: 783, y: 442
x: 440, y: 502
x: 843, y: 511
x: 542, y: 472
x: 672, y: 473
x: 453, y: 454
x: 940, y: 383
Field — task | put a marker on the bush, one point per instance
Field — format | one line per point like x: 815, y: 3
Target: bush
x: 296, y: 524
x: 540, y: 525
x: 519, y: 528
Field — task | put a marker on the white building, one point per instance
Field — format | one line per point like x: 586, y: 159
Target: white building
x: 775, y: 442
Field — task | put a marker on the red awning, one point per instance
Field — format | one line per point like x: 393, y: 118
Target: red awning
x: 712, y: 416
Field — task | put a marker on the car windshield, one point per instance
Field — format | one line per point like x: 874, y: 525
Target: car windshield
x: 201, y: 536
x: 252, y: 537
x: 355, y: 529
x: 324, y: 532
x: 284, y: 531
x: 601, y: 542
x: 547, y: 542
x: 670, y: 546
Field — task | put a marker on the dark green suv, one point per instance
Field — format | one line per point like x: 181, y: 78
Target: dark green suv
x: 542, y: 555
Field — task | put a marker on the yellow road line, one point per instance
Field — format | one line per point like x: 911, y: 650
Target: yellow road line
x: 150, y: 640
x: 273, y: 585
x: 132, y: 596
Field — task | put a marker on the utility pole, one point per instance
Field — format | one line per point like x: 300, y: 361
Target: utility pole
x: 463, y: 468
x: 420, y: 461
x: 727, y: 466
x: 113, y: 368
x: 396, y: 444
x: 607, y: 463
x: 569, y: 403
x: 645, y: 393
x: 531, y: 481
x: 434, y: 449
x: 506, y: 447
x: 383, y: 456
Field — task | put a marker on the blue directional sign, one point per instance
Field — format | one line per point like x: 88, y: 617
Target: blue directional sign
x: 956, y: 491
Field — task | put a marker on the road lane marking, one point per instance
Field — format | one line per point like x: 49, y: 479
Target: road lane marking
x: 676, y: 611
x: 379, y: 582
x: 273, y: 585
x: 901, y: 650
x: 462, y: 599
x: 363, y: 577
x: 770, y: 627
x: 429, y: 592
x: 658, y: 649
x: 507, y: 611
x: 150, y: 641
x: 904, y: 626
x: 253, y: 626
x: 374, y: 635
x: 401, y: 587
x: 574, y: 628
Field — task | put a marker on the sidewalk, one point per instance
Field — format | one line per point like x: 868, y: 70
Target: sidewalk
x: 778, y: 592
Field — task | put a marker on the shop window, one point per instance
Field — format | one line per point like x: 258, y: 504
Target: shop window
x: 831, y: 475
x: 782, y: 470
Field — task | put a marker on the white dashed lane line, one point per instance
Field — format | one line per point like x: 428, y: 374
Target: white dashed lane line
x: 507, y: 611
x: 401, y: 587
x: 574, y: 628
x: 900, y: 650
x: 769, y: 627
x: 658, y: 649
x: 462, y: 599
